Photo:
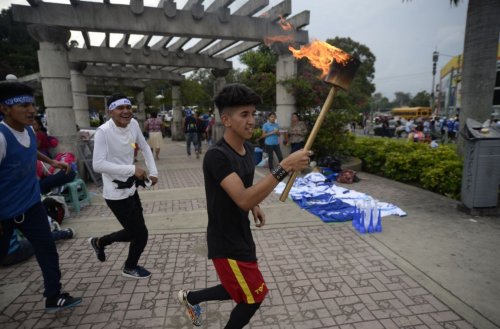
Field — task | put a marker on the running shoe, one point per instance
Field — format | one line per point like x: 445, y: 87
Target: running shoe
x: 63, y: 300
x: 71, y: 233
x: 137, y: 272
x: 99, y: 252
x: 194, y: 311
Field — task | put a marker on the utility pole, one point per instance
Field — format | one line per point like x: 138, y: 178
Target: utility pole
x: 435, y: 57
x: 450, y: 96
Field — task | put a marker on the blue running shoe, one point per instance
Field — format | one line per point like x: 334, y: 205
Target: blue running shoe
x: 99, y: 252
x: 194, y: 311
x: 137, y: 272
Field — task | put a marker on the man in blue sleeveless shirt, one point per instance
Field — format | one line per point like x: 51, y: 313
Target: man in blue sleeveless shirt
x: 20, y: 201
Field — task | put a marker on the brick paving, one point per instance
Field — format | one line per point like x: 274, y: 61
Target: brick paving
x: 319, y: 277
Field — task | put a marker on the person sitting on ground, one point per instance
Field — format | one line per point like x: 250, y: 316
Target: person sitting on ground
x: 42, y: 139
x: 55, y: 178
x: 416, y: 135
x: 21, y: 249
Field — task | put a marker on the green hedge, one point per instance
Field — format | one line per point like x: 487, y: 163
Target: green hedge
x: 94, y: 123
x: 438, y: 170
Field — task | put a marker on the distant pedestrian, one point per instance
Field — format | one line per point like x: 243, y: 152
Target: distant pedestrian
x: 271, y: 131
x: 191, y: 132
x: 297, y: 133
x: 154, y: 127
x: 368, y: 123
x: 385, y: 127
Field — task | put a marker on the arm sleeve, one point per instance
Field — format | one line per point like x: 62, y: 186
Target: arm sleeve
x: 3, y: 147
x: 218, y: 165
x: 99, y: 162
x: 146, y: 151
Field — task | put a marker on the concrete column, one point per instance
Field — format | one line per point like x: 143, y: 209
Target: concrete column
x: 219, y: 83
x: 141, y: 109
x: 176, y: 126
x: 56, y: 86
x: 286, y: 67
x: 79, y: 87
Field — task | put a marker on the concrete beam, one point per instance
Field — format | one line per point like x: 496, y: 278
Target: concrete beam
x: 248, y: 9
x: 241, y: 48
x: 130, y: 73
x: 298, y: 21
x: 86, y: 38
x: 155, y: 58
x: 214, y: 7
x: 92, y: 16
x: 105, y: 82
x: 283, y: 8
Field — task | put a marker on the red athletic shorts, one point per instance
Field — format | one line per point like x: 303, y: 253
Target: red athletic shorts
x: 242, y: 280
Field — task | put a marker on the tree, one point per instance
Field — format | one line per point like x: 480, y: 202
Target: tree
x: 19, y: 49
x: 402, y: 99
x: 480, y: 60
x: 261, y: 60
x: 422, y: 98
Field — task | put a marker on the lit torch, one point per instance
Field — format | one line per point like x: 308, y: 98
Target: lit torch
x: 339, y: 69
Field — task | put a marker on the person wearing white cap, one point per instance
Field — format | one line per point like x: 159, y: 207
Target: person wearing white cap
x: 115, y: 142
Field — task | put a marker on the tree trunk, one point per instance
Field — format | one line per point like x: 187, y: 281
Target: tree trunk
x: 480, y: 61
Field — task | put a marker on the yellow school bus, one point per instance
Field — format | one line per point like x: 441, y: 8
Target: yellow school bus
x: 412, y: 112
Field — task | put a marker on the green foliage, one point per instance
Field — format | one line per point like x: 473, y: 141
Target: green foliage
x: 261, y: 60
x: 19, y: 49
x: 438, y: 170
x: 402, y: 99
x: 94, y: 123
x: 422, y: 98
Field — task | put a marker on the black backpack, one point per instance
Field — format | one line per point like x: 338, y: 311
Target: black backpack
x: 191, y: 125
x: 54, y: 209
x: 200, y: 125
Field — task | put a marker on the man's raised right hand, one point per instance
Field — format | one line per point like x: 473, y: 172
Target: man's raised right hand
x: 296, y: 161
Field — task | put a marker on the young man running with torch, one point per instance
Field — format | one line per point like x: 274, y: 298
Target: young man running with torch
x: 229, y: 169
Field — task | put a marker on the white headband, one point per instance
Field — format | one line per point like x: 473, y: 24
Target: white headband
x: 119, y: 102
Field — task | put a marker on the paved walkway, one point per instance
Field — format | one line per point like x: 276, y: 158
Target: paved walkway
x: 432, y: 269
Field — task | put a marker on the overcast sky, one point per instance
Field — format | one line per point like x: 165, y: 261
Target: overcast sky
x: 402, y: 36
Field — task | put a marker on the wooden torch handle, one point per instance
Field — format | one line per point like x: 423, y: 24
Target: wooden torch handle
x: 310, y: 140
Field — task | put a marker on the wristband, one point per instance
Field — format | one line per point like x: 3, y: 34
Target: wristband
x: 279, y: 173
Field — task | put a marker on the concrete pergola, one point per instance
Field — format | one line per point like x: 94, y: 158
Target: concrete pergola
x: 223, y: 35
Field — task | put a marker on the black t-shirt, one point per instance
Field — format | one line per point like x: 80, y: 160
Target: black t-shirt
x: 228, y: 231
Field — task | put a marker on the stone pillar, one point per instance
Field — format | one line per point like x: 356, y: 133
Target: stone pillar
x: 56, y: 86
x: 141, y: 109
x: 286, y: 67
x: 80, y: 100
x: 176, y: 126
x: 220, y: 81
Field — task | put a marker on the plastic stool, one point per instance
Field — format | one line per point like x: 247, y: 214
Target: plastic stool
x: 73, y: 197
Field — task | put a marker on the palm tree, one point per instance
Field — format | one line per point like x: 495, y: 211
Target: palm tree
x: 480, y: 61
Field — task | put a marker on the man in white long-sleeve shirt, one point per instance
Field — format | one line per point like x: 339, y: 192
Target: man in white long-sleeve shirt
x: 114, y: 157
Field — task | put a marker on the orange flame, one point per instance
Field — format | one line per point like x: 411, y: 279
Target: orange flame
x: 321, y: 55
x: 285, y: 25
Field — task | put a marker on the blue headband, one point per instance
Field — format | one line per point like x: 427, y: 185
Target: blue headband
x: 18, y: 100
x: 119, y: 102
